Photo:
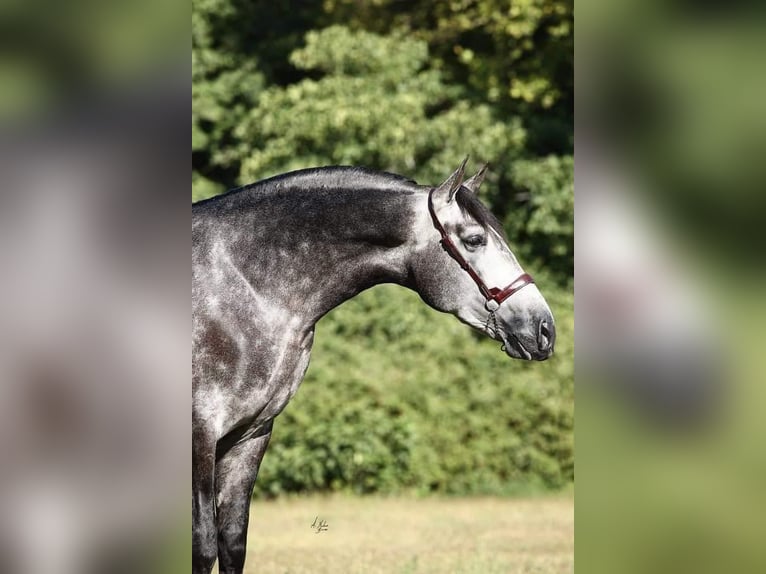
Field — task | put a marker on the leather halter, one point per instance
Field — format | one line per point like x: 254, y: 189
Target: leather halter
x: 494, y: 295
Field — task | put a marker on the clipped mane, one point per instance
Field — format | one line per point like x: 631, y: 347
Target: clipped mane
x: 331, y: 178
x: 339, y: 177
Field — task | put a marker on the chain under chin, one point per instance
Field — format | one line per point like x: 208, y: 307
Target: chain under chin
x: 491, y: 325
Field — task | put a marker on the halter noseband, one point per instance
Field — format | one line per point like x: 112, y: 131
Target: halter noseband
x: 494, y: 296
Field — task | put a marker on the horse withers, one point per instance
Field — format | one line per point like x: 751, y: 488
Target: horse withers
x: 270, y: 259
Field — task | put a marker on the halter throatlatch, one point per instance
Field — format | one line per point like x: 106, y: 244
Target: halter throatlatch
x: 494, y: 295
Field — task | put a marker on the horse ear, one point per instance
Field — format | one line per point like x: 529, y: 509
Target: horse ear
x: 447, y: 190
x: 474, y: 183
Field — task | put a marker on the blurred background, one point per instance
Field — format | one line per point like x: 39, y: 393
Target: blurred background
x: 671, y: 128
x: 400, y: 400
x: 94, y: 319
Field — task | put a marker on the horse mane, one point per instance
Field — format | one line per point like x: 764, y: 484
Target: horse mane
x: 338, y: 177
x: 352, y: 178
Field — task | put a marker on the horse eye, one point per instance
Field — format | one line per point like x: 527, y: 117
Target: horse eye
x: 474, y: 241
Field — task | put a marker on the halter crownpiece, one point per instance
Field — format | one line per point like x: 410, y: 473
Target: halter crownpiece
x: 494, y: 295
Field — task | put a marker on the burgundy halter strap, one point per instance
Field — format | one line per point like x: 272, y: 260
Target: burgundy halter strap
x: 494, y: 295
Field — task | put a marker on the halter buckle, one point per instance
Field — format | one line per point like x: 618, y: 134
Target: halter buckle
x: 491, y: 305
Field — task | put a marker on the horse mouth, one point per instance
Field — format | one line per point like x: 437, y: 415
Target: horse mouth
x: 512, y: 342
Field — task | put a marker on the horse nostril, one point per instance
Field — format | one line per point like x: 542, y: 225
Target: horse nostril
x: 544, y: 336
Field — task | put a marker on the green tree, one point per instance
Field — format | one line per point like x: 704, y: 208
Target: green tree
x: 543, y: 224
x: 517, y: 55
x: 373, y: 101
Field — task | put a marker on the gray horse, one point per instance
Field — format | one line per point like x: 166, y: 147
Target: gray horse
x: 270, y: 259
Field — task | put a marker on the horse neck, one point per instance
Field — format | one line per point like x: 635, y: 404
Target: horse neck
x: 308, y: 251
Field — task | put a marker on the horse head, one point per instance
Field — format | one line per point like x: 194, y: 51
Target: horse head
x: 464, y: 266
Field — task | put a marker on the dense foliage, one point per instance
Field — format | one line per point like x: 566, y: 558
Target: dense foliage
x: 401, y: 397
x: 398, y: 396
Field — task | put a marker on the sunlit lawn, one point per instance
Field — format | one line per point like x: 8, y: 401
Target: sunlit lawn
x: 378, y: 535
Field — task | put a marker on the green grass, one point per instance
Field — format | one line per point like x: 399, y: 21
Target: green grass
x: 413, y: 536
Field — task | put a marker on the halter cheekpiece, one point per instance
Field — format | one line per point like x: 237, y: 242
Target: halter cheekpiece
x: 494, y: 295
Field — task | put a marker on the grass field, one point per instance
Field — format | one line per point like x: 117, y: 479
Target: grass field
x: 413, y: 536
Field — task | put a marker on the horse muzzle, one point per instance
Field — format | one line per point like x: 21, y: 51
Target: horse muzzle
x: 534, y: 345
